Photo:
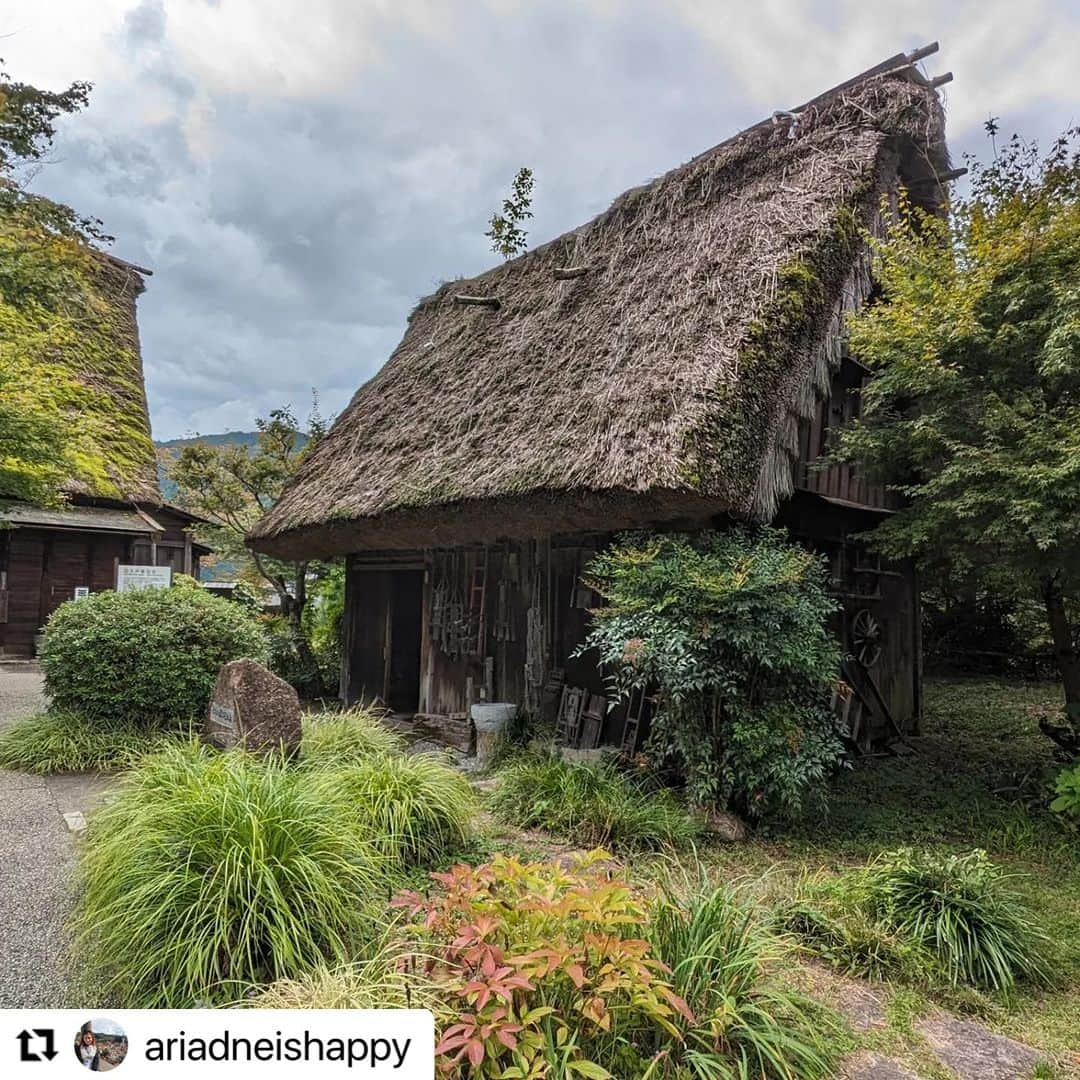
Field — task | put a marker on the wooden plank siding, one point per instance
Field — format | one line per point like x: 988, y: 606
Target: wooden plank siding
x: 840, y: 482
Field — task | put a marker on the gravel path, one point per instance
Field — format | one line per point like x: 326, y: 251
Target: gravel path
x: 37, y: 857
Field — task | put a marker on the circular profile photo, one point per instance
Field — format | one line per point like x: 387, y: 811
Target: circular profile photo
x: 100, y: 1044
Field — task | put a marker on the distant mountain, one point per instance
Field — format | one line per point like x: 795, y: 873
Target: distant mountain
x: 172, y: 448
x: 240, y: 438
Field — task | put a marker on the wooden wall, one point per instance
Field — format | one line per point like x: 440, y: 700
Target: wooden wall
x: 838, y: 481
x: 43, y: 568
x: 505, y: 660
x: 40, y: 569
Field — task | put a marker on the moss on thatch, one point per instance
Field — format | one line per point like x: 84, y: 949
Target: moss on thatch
x: 668, y: 380
x: 72, y: 308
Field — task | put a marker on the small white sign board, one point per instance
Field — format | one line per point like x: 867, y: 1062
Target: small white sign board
x: 129, y: 578
x: 82, y: 592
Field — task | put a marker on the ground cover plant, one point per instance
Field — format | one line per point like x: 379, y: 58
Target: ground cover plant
x: 57, y: 741
x: 551, y: 970
x: 593, y: 803
x: 977, y: 778
x: 144, y: 657
x: 727, y: 632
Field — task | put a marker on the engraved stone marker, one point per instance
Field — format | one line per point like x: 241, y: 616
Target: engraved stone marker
x: 252, y: 707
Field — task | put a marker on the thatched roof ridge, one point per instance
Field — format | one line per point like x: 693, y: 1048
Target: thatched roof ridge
x: 663, y: 382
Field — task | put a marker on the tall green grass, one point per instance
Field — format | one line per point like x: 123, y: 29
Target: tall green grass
x: 962, y: 908
x: 925, y: 916
x: 58, y: 741
x: 726, y: 964
x: 344, y: 738
x: 415, y: 807
x: 592, y: 803
x: 208, y: 872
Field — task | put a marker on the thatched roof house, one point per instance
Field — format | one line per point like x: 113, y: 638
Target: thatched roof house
x: 677, y: 362
x: 653, y: 363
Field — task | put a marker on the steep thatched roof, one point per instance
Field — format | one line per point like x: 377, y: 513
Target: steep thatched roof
x: 111, y: 361
x: 664, y: 382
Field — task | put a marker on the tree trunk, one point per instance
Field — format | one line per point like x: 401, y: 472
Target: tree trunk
x: 1066, y: 735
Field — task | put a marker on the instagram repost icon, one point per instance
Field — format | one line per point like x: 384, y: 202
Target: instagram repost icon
x: 101, y: 1044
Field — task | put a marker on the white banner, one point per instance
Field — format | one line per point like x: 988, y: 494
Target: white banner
x: 144, y: 1043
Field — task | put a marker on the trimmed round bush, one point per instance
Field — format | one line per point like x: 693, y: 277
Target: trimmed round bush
x: 144, y: 657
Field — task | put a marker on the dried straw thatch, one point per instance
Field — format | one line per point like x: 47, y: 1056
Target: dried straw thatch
x: 663, y: 383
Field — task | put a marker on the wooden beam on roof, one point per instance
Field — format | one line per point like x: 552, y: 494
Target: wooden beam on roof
x: 565, y: 273
x: 939, y: 178
x: 477, y: 301
x: 941, y: 80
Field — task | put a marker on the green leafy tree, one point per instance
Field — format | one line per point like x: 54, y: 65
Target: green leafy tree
x: 505, y: 230
x: 974, y: 410
x: 48, y: 309
x: 232, y: 486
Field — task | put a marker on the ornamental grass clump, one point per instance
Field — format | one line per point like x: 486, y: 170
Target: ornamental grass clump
x: 209, y: 872
x: 414, y: 807
x: 962, y: 909
x: 592, y: 803
x: 724, y: 962
x: 57, y: 741
x: 345, y: 738
x: 926, y: 916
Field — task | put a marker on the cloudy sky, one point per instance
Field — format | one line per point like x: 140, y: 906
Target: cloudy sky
x: 297, y: 173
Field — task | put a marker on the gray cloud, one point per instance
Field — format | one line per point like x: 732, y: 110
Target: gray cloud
x: 291, y: 229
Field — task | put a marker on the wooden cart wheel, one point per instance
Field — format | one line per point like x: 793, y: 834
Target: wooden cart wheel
x: 866, y: 638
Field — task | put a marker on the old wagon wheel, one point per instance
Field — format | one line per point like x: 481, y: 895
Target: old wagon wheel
x: 866, y: 638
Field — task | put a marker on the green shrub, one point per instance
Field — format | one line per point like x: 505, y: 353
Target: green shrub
x: 334, y: 739
x: 143, y: 657
x: 415, y: 807
x: 56, y: 741
x: 723, y: 960
x: 591, y: 803
x: 291, y: 657
x: 211, y: 872
x: 727, y: 631
x: 1067, y: 792
x: 961, y: 909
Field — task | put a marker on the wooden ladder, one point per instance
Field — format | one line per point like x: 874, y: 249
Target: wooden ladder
x: 478, y: 599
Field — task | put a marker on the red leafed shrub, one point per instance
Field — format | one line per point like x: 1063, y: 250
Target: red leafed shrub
x: 549, y: 968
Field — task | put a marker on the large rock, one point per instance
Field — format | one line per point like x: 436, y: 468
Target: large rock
x: 253, y: 708
x: 725, y: 825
